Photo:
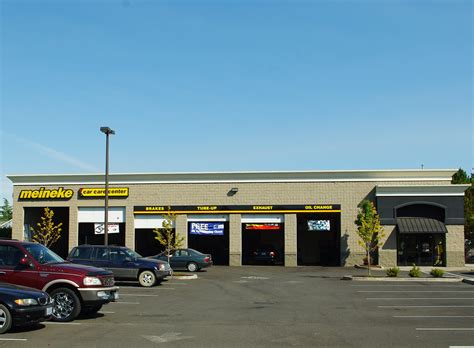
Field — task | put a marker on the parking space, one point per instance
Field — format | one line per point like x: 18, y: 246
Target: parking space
x: 268, y: 307
x: 439, y: 313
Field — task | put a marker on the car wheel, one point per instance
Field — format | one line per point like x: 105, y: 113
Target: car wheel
x: 66, y: 304
x: 5, y: 319
x: 192, y: 267
x: 147, y: 278
x: 91, y: 310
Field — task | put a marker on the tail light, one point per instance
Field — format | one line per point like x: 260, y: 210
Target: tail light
x: 272, y: 253
x: 206, y: 259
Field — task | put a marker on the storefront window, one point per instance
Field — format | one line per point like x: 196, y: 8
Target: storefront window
x: 421, y: 249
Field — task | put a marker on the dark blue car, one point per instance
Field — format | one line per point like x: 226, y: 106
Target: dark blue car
x: 20, y: 305
x: 125, y: 263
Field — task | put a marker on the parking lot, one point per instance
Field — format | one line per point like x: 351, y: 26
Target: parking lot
x: 270, y: 306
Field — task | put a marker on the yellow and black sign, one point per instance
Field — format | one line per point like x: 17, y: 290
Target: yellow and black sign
x: 238, y: 209
x: 44, y: 194
x: 114, y: 192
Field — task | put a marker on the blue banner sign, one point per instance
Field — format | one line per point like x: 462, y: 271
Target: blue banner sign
x: 207, y: 228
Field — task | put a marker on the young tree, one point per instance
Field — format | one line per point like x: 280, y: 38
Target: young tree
x: 46, y: 232
x: 166, y: 236
x: 6, y: 211
x: 369, y: 229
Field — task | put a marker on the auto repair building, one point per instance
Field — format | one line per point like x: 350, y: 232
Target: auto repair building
x: 304, y: 217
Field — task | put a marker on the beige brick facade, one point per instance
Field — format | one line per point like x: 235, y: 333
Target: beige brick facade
x: 455, y: 246
x: 346, y: 193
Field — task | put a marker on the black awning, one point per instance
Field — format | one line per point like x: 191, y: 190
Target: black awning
x: 420, y: 225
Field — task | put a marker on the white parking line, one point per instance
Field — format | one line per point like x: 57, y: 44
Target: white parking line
x: 427, y: 291
x: 104, y: 312
x: 139, y: 295
x: 120, y: 302
x: 445, y: 328
x: 411, y: 285
x: 420, y: 298
x: 59, y: 323
x: 402, y: 306
x: 433, y: 316
x: 161, y: 287
x: 133, y: 293
x: 13, y: 339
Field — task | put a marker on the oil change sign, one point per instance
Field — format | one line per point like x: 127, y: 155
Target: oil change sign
x: 114, y: 192
x: 207, y: 228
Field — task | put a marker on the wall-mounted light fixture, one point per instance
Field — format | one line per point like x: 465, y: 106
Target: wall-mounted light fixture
x: 232, y: 191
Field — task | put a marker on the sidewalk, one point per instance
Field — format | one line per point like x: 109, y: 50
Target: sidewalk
x: 467, y: 268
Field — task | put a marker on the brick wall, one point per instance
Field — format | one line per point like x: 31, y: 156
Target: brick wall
x: 347, y: 194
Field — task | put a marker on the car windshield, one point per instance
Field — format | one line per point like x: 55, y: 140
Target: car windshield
x: 42, y: 254
x: 132, y: 254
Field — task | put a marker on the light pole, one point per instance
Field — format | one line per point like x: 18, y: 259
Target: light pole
x: 107, y: 131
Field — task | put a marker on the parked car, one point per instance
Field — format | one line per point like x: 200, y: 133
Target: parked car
x: 20, y: 305
x: 263, y: 255
x: 125, y: 263
x: 73, y: 288
x: 189, y: 259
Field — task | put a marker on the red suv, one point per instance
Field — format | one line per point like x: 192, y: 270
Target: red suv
x: 73, y: 288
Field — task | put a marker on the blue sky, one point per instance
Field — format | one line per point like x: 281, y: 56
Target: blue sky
x: 235, y: 85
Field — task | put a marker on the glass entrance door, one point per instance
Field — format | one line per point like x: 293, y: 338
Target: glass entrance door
x: 421, y: 249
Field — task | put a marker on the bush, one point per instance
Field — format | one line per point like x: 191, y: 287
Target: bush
x: 393, y: 272
x: 437, y: 273
x: 415, y: 272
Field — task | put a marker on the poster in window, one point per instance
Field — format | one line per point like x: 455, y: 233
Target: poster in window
x: 207, y: 228
x: 113, y: 228
x: 262, y: 226
x: 319, y: 225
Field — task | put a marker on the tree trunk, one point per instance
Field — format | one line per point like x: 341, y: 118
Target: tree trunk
x: 368, y: 261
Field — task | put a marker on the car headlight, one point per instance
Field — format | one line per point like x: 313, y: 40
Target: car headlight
x: 92, y: 281
x: 162, y: 266
x: 26, y: 302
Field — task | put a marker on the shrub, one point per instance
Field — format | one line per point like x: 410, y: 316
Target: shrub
x: 437, y: 273
x: 415, y: 272
x: 393, y: 272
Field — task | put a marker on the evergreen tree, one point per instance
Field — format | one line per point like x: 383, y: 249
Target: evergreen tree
x: 6, y: 211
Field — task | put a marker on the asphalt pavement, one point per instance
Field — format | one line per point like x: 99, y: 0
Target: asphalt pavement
x: 270, y: 307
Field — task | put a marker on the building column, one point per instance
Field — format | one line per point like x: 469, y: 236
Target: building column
x: 129, y: 228
x: 18, y: 222
x: 291, y: 240
x: 73, y: 228
x: 455, y: 246
x: 235, y: 240
x: 388, y: 250
x: 181, y: 228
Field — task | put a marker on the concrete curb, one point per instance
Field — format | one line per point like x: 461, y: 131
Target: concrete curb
x: 468, y: 281
x: 395, y: 279
x: 181, y: 276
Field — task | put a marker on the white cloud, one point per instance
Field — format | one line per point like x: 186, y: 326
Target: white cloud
x: 55, y: 154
